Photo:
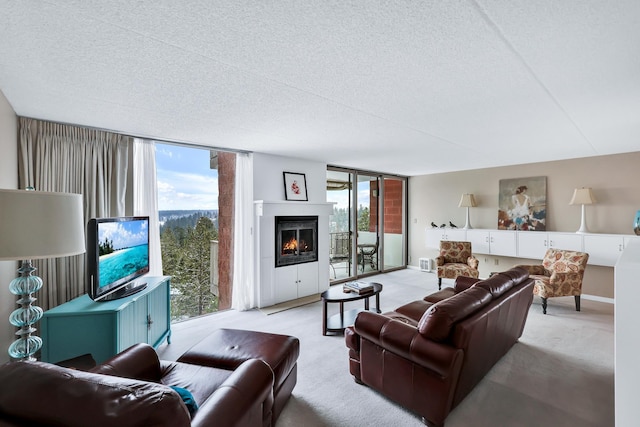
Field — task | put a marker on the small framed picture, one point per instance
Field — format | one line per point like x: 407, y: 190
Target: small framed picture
x: 295, y: 186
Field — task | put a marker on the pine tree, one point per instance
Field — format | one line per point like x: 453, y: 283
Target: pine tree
x: 363, y: 218
x: 186, y: 257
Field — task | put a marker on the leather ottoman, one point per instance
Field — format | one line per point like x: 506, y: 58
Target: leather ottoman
x: 228, y: 348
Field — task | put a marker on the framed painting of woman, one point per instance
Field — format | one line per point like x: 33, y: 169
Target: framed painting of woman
x: 522, y: 204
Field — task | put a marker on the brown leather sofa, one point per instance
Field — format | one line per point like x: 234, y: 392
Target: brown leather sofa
x: 133, y: 389
x: 429, y: 354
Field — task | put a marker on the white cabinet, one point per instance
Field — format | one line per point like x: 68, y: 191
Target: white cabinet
x: 502, y: 243
x: 479, y: 241
x: 492, y: 242
x: 435, y: 235
x: 604, y: 249
x: 296, y: 281
x: 567, y: 241
x: 534, y: 244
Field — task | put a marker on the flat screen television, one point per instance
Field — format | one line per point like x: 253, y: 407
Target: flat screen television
x: 117, y: 256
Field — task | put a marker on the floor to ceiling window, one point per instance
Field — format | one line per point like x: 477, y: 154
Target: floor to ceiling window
x: 188, y: 213
x: 367, y: 231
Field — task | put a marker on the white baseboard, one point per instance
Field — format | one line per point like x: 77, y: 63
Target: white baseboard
x: 415, y: 267
x: 597, y: 298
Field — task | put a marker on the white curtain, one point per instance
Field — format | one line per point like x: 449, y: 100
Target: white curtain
x: 145, y: 197
x: 244, y: 285
x: 71, y: 159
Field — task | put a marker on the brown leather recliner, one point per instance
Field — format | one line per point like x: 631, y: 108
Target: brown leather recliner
x: 429, y: 354
x: 132, y: 389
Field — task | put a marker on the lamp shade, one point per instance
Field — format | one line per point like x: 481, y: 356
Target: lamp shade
x: 467, y: 201
x: 582, y: 196
x: 38, y: 224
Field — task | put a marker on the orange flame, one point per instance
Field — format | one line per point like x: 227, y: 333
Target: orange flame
x: 291, y: 245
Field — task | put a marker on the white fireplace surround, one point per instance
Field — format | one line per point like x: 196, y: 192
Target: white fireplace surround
x: 264, y: 225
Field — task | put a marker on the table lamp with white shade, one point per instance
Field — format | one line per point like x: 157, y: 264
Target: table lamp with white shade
x: 36, y: 225
x: 467, y: 201
x: 582, y: 196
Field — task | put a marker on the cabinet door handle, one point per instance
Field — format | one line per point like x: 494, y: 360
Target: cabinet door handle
x: 550, y: 243
x: 149, y: 321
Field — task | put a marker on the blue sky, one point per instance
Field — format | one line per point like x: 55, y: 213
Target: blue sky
x: 185, y: 181
x: 124, y: 234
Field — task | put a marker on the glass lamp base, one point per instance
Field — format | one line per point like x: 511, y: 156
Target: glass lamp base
x: 24, y: 317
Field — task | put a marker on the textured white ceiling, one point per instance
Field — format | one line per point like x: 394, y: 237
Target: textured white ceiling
x: 405, y: 87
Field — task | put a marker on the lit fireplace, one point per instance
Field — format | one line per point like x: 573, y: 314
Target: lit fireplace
x: 296, y: 240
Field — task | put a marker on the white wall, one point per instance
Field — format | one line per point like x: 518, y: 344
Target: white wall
x: 613, y: 178
x: 268, y: 181
x: 8, y: 179
x: 269, y: 187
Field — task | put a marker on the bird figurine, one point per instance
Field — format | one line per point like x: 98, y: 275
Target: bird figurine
x: 452, y: 225
x: 434, y: 225
x: 443, y: 225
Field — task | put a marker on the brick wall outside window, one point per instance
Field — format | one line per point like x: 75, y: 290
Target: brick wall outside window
x: 226, y: 188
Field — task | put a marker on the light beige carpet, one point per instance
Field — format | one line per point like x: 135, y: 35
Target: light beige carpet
x: 560, y: 374
x: 290, y: 304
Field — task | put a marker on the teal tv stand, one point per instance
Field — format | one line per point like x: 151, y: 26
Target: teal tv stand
x: 103, y: 329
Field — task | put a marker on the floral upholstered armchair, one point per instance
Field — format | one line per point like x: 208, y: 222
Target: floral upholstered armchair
x: 455, y: 260
x: 559, y: 275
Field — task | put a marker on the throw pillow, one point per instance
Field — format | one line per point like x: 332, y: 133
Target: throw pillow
x: 187, y: 398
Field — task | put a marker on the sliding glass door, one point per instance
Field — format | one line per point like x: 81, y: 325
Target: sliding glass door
x: 368, y: 226
x: 342, y: 260
x: 368, y: 240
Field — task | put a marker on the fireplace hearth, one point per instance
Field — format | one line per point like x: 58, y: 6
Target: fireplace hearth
x: 296, y: 240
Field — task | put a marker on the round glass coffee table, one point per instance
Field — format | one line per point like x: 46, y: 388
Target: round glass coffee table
x: 336, y: 294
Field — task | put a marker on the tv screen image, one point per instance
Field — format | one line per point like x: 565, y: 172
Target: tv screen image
x: 117, y: 254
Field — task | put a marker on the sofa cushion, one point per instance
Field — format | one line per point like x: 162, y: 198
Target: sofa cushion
x: 437, y: 321
x: 496, y: 285
x: 516, y: 274
x: 201, y: 381
x: 463, y: 283
x: 500, y: 283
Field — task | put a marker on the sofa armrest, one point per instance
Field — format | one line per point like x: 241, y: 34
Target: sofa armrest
x: 537, y: 269
x: 440, y: 260
x: 405, y: 341
x: 463, y: 283
x: 140, y: 361
x: 352, y: 339
x: 73, y: 398
x: 239, y: 401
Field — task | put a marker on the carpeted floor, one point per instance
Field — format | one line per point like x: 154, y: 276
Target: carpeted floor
x: 561, y: 373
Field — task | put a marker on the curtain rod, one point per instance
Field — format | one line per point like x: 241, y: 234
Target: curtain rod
x: 164, y: 141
